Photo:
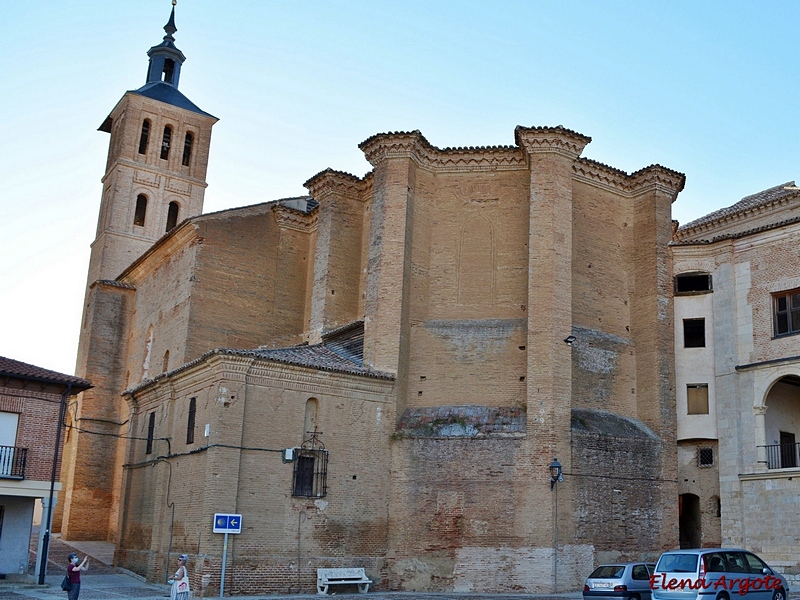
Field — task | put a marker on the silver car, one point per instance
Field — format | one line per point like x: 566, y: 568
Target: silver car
x: 716, y: 574
x: 622, y: 580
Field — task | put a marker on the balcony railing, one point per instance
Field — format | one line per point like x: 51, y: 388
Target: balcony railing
x: 782, y: 456
x: 12, y: 462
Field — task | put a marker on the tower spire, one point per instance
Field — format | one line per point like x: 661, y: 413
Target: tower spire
x: 165, y: 58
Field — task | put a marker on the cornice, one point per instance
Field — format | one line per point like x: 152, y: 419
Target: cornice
x: 690, y: 231
x: 657, y: 178
x: 654, y: 177
x: 414, y: 146
x: 559, y: 140
x: 161, y: 250
x: 681, y: 235
x: 600, y: 175
x: 112, y: 283
x: 329, y: 181
x: 289, y: 218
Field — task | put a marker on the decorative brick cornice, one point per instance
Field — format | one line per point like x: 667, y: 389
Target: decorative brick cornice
x: 559, y: 140
x: 414, y: 146
x: 329, y: 182
x: 289, y: 218
x: 112, y: 283
x: 652, y: 177
x: 658, y: 178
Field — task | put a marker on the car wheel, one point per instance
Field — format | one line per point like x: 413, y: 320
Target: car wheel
x: 779, y: 594
x: 637, y: 597
x: 724, y: 596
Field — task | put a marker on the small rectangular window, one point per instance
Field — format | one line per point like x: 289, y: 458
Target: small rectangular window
x: 697, y: 398
x: 190, y: 421
x: 705, y: 457
x: 151, y: 428
x: 688, y: 283
x: 310, y: 474
x: 694, y: 333
x: 786, y: 312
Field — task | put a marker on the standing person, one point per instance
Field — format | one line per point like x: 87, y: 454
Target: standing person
x: 74, y: 573
x: 180, y: 581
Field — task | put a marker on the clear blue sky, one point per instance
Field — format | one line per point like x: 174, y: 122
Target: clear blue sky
x: 706, y: 88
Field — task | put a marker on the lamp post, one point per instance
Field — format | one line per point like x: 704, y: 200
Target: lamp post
x: 556, y: 476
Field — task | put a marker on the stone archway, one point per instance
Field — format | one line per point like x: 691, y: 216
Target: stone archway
x: 782, y: 423
x: 691, y: 532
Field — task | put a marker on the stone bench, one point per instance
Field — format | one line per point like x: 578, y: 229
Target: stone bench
x: 349, y: 576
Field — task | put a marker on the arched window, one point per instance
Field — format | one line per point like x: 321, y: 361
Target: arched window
x: 169, y: 70
x: 165, y: 141
x: 187, y: 148
x: 172, y: 215
x: 310, y: 423
x: 141, y: 210
x: 144, y: 137
x: 165, y: 366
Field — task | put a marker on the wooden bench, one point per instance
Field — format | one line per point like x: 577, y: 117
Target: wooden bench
x: 350, y: 576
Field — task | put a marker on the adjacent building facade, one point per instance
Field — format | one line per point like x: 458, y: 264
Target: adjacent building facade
x: 737, y: 316
x: 32, y: 401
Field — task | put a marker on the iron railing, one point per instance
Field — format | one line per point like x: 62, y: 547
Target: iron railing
x: 12, y: 462
x: 782, y: 456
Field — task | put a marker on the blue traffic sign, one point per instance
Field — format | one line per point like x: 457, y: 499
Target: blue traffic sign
x: 225, y: 523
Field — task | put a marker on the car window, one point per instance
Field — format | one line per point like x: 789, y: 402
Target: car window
x: 715, y: 563
x: 608, y: 572
x: 651, y: 567
x: 640, y: 572
x: 677, y: 563
x: 735, y: 562
x: 754, y: 564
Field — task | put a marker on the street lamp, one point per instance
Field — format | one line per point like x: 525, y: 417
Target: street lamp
x: 555, y: 473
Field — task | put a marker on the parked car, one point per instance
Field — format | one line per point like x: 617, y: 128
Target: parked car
x: 625, y: 580
x: 716, y: 574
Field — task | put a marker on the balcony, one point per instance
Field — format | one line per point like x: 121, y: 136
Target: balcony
x: 782, y: 456
x: 12, y: 462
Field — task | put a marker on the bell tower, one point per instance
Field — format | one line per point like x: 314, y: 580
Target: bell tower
x: 157, y: 160
x: 154, y: 179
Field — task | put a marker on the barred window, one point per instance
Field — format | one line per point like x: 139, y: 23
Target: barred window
x: 705, y: 457
x: 310, y: 473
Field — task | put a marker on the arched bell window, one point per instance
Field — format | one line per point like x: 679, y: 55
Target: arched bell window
x: 144, y: 137
x: 141, y: 210
x: 187, y: 148
x: 165, y: 142
x: 172, y: 216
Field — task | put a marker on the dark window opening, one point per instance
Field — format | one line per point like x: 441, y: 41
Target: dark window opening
x: 187, y: 149
x: 705, y: 457
x: 190, y: 421
x: 151, y: 427
x: 788, y: 450
x: 2, y: 518
x: 310, y: 474
x: 787, y: 313
x: 694, y: 333
x: 169, y: 70
x: 141, y: 210
x: 687, y: 283
x: 697, y: 398
x: 144, y: 137
x: 172, y: 215
x: 165, y: 142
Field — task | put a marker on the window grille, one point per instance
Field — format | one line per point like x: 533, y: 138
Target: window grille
x: 309, y: 479
x: 705, y: 457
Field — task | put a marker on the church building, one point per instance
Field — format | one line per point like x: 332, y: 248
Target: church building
x: 380, y: 373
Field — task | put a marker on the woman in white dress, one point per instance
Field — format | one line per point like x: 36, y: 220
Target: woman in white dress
x: 180, y: 581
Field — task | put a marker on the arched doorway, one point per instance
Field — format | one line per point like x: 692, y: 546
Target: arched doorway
x: 782, y: 423
x: 689, y: 520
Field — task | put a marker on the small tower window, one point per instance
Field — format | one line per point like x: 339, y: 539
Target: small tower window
x: 169, y: 70
x: 144, y: 137
x: 190, y: 421
x: 165, y: 142
x: 187, y: 149
x: 141, y: 210
x: 172, y: 215
x: 151, y: 428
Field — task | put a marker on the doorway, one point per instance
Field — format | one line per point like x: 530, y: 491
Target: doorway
x: 689, y: 521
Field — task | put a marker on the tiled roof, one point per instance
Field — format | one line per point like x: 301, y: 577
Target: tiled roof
x: 169, y: 94
x: 747, y: 203
x: 21, y: 370
x: 315, y: 357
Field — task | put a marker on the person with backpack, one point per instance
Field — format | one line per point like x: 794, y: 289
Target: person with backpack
x: 74, y: 575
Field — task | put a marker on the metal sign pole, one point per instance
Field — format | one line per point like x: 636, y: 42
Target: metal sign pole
x: 224, y: 562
